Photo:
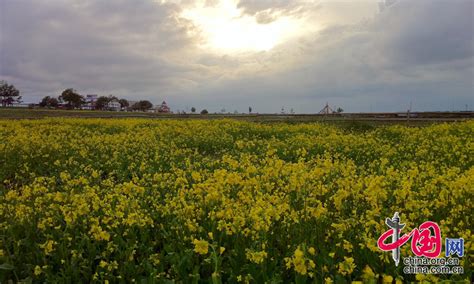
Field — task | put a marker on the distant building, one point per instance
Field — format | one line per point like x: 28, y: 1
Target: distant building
x: 90, y: 101
x: 164, y: 108
x: 114, y: 105
x: 92, y: 98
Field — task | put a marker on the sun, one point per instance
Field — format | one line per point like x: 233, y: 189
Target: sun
x: 225, y: 29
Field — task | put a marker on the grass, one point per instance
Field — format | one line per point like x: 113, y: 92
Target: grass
x: 352, y: 121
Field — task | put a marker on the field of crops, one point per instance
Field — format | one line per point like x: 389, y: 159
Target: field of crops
x: 138, y: 200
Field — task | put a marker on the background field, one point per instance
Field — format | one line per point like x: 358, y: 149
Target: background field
x: 417, y: 118
x: 146, y: 200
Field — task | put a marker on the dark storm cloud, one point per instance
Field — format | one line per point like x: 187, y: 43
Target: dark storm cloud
x: 104, y: 45
x: 427, y: 31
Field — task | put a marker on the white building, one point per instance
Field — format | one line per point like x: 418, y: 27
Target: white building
x: 90, y: 101
x: 114, y: 105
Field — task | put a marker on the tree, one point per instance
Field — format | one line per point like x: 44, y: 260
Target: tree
x: 124, y: 103
x: 49, y: 102
x: 53, y: 102
x: 9, y: 94
x: 72, y: 98
x: 44, y: 101
x: 339, y: 110
x: 145, y: 105
x: 204, y: 111
x: 193, y: 109
x: 101, y: 102
x: 250, y: 110
x: 142, y: 105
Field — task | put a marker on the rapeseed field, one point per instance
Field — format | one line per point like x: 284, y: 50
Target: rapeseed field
x: 203, y: 201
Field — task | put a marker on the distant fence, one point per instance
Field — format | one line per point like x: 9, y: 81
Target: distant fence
x: 20, y: 106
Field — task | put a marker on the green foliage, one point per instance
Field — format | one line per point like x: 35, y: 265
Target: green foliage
x: 49, y: 102
x: 124, y: 103
x: 72, y: 98
x: 142, y: 105
x: 9, y: 94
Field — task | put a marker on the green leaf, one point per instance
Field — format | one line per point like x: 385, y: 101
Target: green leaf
x: 7, y: 266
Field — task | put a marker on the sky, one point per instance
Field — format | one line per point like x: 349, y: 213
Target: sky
x: 360, y: 55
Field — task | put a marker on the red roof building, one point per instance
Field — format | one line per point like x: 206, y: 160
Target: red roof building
x: 164, y: 108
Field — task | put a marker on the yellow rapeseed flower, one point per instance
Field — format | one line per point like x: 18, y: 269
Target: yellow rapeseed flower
x: 201, y: 246
x: 387, y: 279
x: 256, y: 256
x: 38, y: 270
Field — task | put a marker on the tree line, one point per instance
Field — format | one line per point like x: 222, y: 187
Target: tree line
x: 71, y: 99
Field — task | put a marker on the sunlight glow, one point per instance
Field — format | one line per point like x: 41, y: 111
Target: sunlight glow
x: 225, y: 29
